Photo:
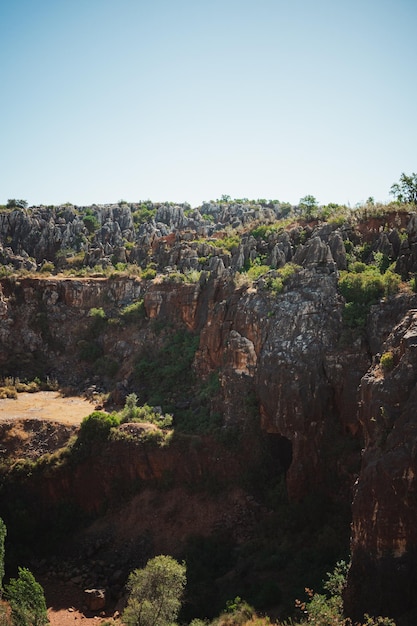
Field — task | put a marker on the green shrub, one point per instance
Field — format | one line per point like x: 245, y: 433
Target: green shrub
x: 237, y: 613
x: 148, y: 273
x: 154, y: 437
x: 155, y: 593
x: 256, y: 270
x: 263, y: 231
x: 192, y: 276
x: 97, y: 426
x: 143, y: 214
x: 97, y: 313
x: 134, y: 413
x: 230, y: 243
x: 276, y: 281
x: 134, y: 312
x: 357, y: 267
x: 174, y: 277
x: 91, y: 223
x: 47, y: 268
x: 27, y: 600
x: 387, y: 361
x: 98, y: 322
x: 362, y: 288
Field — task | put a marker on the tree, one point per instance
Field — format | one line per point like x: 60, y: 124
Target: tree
x: 3, y: 532
x: 308, y: 204
x: 16, y: 204
x: 27, y: 600
x: 406, y: 189
x: 155, y: 593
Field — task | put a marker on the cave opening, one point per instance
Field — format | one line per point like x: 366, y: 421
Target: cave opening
x: 280, y: 448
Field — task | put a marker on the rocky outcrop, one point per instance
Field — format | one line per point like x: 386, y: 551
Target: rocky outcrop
x: 384, y: 534
x: 95, y: 599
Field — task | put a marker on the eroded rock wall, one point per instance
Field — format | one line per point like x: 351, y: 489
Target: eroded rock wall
x: 383, y: 573
x: 280, y: 358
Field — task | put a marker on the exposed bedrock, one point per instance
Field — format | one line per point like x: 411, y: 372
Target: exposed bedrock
x: 383, y: 574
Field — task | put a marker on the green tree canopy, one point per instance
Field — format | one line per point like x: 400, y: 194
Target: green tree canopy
x: 155, y: 593
x: 406, y: 189
x: 27, y: 600
x: 12, y: 203
x: 308, y: 204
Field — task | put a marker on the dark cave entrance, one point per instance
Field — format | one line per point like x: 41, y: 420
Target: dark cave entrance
x: 280, y: 449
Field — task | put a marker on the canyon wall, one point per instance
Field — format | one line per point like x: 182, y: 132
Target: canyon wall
x: 341, y: 418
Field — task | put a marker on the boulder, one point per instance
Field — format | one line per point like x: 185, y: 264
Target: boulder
x: 95, y: 599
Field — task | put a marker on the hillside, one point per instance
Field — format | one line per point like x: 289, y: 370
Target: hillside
x: 280, y: 339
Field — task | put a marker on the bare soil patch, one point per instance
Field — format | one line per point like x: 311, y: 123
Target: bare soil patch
x: 65, y: 604
x: 46, y: 405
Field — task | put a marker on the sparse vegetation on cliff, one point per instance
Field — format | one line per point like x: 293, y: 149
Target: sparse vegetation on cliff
x: 362, y: 287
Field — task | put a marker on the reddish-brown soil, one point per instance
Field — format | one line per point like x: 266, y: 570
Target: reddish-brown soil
x: 66, y: 607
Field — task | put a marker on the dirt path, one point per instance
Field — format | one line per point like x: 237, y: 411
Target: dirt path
x: 46, y: 405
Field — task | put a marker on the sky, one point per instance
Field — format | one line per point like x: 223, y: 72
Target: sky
x: 187, y: 100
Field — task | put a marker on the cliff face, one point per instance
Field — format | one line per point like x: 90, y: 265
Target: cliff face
x: 384, y: 536
x: 278, y: 353
x: 284, y: 359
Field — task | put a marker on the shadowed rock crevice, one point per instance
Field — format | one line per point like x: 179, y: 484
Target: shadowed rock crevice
x: 280, y: 449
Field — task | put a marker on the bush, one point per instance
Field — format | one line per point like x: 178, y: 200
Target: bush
x: 134, y: 312
x: 47, y: 268
x: 27, y: 600
x: 363, y: 287
x: 134, y: 413
x: 143, y: 214
x: 149, y: 273
x: 97, y: 313
x: 8, y: 392
x: 276, y: 281
x: 255, y: 271
x: 155, y: 593
x: 387, y: 361
x: 97, y: 426
x: 91, y: 223
x: 237, y: 613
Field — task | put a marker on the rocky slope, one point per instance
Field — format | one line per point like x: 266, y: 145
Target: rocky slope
x: 267, y: 355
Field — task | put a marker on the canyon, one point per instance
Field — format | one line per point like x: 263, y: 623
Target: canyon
x: 288, y: 426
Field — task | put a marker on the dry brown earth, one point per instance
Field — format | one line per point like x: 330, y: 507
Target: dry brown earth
x: 46, y: 405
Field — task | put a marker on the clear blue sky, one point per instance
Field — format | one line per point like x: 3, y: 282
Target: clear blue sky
x: 186, y: 100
